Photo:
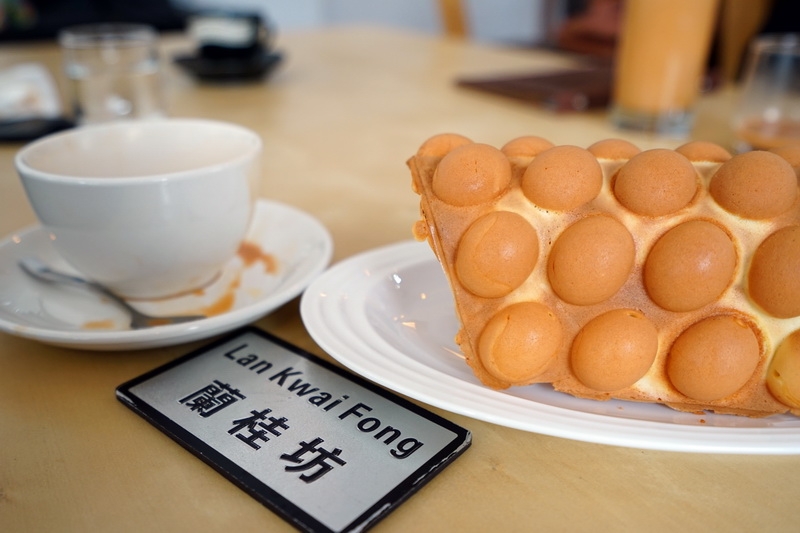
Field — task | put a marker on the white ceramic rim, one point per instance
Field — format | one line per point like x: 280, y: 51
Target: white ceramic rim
x: 30, y: 172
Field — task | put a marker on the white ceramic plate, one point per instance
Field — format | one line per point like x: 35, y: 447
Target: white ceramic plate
x: 388, y: 315
x: 291, y: 249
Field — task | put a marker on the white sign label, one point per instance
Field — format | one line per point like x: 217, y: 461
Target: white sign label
x: 327, y: 450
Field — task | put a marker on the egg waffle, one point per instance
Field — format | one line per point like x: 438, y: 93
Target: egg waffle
x: 665, y: 276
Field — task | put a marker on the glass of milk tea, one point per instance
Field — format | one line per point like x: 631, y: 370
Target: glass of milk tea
x: 112, y: 71
x: 660, y: 64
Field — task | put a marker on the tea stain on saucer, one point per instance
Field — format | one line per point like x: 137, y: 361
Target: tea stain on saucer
x: 225, y: 302
x: 100, y: 324
x: 250, y: 252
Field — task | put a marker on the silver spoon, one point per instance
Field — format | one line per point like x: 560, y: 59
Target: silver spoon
x: 40, y: 271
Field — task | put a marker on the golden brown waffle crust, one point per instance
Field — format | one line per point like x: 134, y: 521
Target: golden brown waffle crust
x: 443, y: 226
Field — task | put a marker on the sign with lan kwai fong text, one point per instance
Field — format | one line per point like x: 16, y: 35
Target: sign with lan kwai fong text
x: 323, y: 448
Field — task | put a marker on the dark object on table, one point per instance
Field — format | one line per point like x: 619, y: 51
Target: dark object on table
x: 562, y: 90
x: 31, y: 128
x: 230, y: 47
x: 230, y: 69
x: 226, y: 35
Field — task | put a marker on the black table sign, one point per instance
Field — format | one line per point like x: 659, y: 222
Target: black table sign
x: 325, y: 449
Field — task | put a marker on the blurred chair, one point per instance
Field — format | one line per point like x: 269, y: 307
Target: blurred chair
x: 454, y: 18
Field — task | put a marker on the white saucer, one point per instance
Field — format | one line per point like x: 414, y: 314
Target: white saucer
x: 388, y: 315
x: 298, y: 246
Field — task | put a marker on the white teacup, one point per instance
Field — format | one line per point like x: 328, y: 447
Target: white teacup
x: 149, y: 208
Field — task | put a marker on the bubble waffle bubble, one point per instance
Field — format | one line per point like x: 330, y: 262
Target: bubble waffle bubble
x: 666, y: 276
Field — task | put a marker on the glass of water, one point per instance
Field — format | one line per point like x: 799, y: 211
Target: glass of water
x: 112, y: 71
x: 768, y: 114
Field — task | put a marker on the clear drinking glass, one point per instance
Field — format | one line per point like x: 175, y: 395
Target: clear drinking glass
x: 768, y: 114
x: 112, y: 71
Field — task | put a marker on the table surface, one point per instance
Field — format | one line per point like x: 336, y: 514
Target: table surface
x: 339, y: 118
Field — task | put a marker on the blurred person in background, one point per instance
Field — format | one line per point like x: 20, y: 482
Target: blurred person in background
x: 590, y: 27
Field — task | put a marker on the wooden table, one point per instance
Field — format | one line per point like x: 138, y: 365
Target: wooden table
x: 339, y: 119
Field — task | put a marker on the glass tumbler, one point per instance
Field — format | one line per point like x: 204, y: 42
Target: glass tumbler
x: 768, y: 114
x: 112, y: 71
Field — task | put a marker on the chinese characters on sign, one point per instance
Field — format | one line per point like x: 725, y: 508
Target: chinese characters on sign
x: 258, y: 427
x: 212, y: 398
x: 325, y: 449
x: 319, y: 459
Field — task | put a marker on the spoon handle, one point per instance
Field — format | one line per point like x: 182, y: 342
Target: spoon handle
x: 41, y: 271
x: 37, y: 269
